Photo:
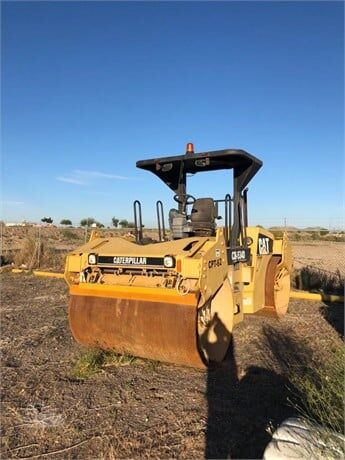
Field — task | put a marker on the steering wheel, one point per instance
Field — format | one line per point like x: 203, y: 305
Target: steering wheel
x: 184, y: 199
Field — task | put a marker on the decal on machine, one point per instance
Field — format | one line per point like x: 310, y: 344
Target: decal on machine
x: 214, y: 263
x: 129, y: 260
x: 265, y: 245
x: 239, y: 254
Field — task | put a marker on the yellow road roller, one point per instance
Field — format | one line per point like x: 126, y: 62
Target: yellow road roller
x: 178, y: 299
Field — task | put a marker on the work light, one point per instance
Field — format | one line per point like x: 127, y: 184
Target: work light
x: 92, y: 259
x: 169, y: 262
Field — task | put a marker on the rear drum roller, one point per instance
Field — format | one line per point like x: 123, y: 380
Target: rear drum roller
x: 277, y: 287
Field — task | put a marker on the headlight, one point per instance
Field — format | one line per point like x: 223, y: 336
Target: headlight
x: 92, y: 259
x: 169, y: 262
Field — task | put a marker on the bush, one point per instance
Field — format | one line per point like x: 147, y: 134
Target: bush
x: 277, y: 233
x: 70, y: 234
x: 123, y: 223
x: 66, y: 222
x: 115, y: 222
x: 312, y: 279
x: 47, y: 220
x: 87, y: 222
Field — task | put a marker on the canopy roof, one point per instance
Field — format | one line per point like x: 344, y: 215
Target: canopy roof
x: 173, y: 170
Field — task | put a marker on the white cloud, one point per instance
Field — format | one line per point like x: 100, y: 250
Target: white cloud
x: 11, y: 203
x: 100, y: 174
x: 70, y: 180
x: 82, y: 177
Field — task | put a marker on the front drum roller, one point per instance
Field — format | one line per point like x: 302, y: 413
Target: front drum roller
x: 168, y: 332
x: 277, y: 288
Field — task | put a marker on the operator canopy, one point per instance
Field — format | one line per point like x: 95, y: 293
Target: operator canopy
x: 172, y: 170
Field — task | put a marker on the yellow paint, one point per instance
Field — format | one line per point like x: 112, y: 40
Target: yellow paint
x: 138, y: 293
x: 316, y: 297
x: 48, y: 274
x: 39, y: 273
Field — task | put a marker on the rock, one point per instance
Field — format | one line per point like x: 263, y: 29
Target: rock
x: 297, y: 438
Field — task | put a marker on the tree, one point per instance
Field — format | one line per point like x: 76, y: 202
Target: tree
x: 123, y: 223
x: 99, y: 225
x: 47, y: 220
x: 131, y: 225
x: 66, y: 222
x: 87, y: 222
x: 115, y: 222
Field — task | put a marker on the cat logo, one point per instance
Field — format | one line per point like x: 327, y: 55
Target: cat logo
x: 265, y: 245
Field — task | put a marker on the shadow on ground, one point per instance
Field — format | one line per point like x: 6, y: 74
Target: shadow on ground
x: 244, y: 409
x: 334, y: 315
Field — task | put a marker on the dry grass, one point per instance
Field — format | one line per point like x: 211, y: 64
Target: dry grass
x: 315, y: 382
x: 322, y: 386
x: 36, y: 253
x: 314, y: 279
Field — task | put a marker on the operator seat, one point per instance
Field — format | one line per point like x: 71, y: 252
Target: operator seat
x: 203, y: 216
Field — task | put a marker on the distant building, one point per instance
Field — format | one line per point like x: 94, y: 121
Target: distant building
x: 20, y: 224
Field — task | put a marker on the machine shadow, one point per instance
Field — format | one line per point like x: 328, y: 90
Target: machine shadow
x: 334, y: 315
x: 241, y: 410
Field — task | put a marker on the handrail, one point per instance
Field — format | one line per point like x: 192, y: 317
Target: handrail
x: 160, y: 220
x: 138, y: 223
x: 227, y: 218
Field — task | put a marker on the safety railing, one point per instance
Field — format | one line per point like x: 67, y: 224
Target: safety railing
x: 138, y: 222
x: 160, y: 221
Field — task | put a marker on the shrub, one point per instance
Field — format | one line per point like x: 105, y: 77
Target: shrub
x: 66, y: 222
x: 123, y: 223
x: 310, y: 278
x: 115, y: 222
x: 277, y: 233
x: 87, y: 222
x: 47, y: 220
x: 69, y: 234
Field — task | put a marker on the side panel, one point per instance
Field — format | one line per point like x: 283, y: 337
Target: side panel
x: 262, y: 248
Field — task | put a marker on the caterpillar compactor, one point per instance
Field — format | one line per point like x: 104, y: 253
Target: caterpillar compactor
x: 178, y: 299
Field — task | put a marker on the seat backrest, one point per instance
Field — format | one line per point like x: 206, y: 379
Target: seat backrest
x: 203, y: 216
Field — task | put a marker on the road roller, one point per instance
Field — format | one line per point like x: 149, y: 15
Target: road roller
x: 177, y: 299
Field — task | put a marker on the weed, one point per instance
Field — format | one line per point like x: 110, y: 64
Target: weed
x: 93, y: 361
x: 322, y: 387
x: 316, y: 383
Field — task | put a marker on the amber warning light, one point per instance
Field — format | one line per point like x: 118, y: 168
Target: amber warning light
x: 190, y: 148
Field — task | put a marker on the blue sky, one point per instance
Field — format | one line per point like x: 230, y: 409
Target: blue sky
x: 90, y: 88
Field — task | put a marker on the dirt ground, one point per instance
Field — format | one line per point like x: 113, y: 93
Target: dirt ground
x: 329, y: 256
x: 145, y: 409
